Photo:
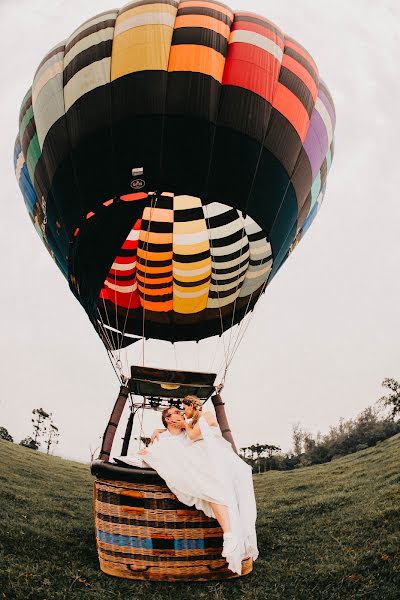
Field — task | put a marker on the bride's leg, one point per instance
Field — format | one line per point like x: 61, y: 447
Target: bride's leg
x: 222, y: 515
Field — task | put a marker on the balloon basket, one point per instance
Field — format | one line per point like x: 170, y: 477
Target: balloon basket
x: 143, y: 532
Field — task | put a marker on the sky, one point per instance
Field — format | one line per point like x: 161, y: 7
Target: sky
x: 325, y: 334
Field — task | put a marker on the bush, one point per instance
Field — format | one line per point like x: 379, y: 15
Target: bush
x: 366, y: 430
x: 28, y: 442
x: 4, y: 435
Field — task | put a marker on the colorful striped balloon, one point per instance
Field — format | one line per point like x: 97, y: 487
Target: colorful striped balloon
x: 171, y: 155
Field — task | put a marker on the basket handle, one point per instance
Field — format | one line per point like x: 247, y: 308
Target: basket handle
x: 216, y: 568
x: 138, y: 569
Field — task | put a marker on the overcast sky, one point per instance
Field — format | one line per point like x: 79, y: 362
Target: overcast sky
x: 324, y: 335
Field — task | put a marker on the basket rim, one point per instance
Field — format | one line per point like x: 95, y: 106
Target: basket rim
x: 106, y: 470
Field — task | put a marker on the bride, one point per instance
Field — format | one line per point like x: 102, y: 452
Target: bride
x: 207, y: 473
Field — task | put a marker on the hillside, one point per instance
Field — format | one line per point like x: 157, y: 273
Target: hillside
x: 325, y: 532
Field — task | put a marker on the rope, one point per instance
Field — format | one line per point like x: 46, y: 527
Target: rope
x: 152, y: 207
x: 237, y: 294
x: 105, y: 332
x: 111, y: 358
x: 198, y: 355
x: 125, y: 353
x: 114, y: 346
x: 219, y: 300
x: 241, y: 326
x: 239, y: 341
x: 130, y: 301
x: 116, y: 316
x: 116, y: 364
x: 141, y: 431
x: 215, y: 355
x: 109, y: 349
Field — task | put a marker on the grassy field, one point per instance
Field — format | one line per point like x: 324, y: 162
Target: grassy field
x: 325, y: 532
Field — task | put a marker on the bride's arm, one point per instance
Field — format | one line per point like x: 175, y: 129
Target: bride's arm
x: 210, y: 418
x: 194, y: 433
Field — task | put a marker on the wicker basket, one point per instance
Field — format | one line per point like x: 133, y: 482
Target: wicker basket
x: 144, y: 532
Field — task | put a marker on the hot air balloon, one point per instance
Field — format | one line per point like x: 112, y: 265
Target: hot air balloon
x: 171, y: 155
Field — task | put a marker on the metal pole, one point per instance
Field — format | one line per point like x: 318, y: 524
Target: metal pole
x: 128, y: 433
x: 223, y: 420
x: 111, y: 428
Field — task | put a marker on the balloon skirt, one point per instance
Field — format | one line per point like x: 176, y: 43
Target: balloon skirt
x: 144, y: 532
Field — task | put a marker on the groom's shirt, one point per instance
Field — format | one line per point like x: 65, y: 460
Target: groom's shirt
x: 181, y: 438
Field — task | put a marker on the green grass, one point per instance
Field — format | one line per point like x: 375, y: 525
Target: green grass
x: 325, y: 532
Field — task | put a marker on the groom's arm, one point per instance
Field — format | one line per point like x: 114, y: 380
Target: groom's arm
x: 155, y: 434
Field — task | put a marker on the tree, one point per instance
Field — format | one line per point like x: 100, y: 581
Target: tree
x: 297, y: 436
x: 93, y: 451
x: 44, y: 430
x: 40, y: 420
x: 52, y: 436
x: 392, y: 400
x: 271, y: 449
x: 267, y: 453
x: 309, y: 443
x: 4, y: 435
x: 248, y: 452
x: 259, y: 456
x: 252, y: 450
x: 242, y: 452
x: 28, y: 442
x: 258, y: 450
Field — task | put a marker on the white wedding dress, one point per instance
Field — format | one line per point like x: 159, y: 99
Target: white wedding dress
x: 205, y: 471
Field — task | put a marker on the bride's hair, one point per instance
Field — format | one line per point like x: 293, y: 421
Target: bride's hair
x: 197, y: 405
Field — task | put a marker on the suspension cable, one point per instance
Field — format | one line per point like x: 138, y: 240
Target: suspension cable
x: 114, y: 346
x: 219, y: 300
x: 237, y: 291
x: 152, y: 207
x: 215, y: 355
x: 141, y: 430
x: 242, y: 324
x: 116, y: 317
x: 100, y: 322
x: 236, y: 346
x: 130, y: 298
x: 239, y: 341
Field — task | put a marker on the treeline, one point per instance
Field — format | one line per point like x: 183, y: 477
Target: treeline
x: 45, y: 432
x: 367, y: 429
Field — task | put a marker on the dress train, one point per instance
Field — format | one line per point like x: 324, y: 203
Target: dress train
x: 208, y: 471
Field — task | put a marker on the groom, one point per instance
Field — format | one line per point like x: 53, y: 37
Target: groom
x: 196, y: 491
x: 174, y: 423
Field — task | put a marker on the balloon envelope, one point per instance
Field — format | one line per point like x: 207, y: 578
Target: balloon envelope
x: 171, y: 155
